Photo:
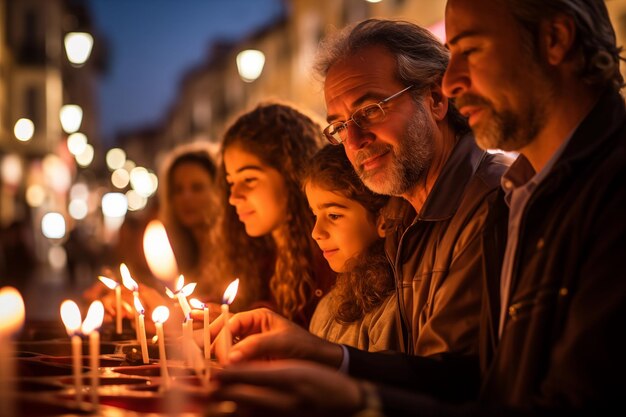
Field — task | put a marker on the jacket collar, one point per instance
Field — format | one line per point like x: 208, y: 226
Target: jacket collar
x: 445, y: 197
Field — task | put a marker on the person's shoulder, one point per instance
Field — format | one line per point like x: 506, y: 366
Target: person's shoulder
x: 492, y: 167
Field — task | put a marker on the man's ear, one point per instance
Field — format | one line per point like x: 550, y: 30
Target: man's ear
x: 556, y: 37
x: 438, y: 102
x: 380, y: 226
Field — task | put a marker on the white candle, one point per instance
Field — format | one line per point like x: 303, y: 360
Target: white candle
x: 226, y: 336
x: 229, y: 297
x: 70, y: 314
x: 77, y: 357
x: 90, y: 327
x: 11, y: 320
x: 206, y: 334
x: 118, y: 310
x: 141, y: 330
x: 111, y: 284
x: 131, y: 285
x: 160, y: 316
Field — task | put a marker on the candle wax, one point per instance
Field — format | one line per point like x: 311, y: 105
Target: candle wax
x: 162, y: 359
x: 94, y: 364
x: 118, y: 309
x: 77, y: 366
x: 227, y: 343
x: 142, y: 339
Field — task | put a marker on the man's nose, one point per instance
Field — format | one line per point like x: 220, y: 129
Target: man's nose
x: 357, y: 137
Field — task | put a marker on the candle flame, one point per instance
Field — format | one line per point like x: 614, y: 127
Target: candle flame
x: 111, y: 284
x: 188, y: 289
x: 139, y: 306
x: 231, y: 292
x: 94, y: 318
x: 160, y: 314
x: 169, y: 293
x: 11, y: 310
x: 180, y: 282
x: 128, y: 281
x: 70, y: 314
x: 155, y: 339
x: 159, y: 254
x: 195, y: 303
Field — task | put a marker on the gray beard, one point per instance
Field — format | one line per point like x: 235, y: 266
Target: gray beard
x: 409, y: 161
x: 507, y: 132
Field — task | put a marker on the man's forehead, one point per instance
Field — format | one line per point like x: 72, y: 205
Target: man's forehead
x: 471, y: 17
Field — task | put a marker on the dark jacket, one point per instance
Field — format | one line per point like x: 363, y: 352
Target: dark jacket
x: 562, y: 351
x: 436, y: 254
x: 438, y: 270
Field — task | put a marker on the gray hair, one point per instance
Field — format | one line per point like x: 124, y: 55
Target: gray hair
x: 421, y: 58
x: 595, y: 45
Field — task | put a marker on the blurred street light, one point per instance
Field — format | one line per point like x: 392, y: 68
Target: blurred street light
x: 71, y: 116
x: 24, y: 129
x: 250, y: 64
x: 78, y: 47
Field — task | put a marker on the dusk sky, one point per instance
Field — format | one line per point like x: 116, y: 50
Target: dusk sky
x: 153, y: 43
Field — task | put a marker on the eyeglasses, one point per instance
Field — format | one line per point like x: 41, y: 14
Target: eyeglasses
x: 337, y: 132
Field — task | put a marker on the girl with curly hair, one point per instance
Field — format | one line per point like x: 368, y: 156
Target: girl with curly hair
x: 360, y: 310
x: 267, y: 223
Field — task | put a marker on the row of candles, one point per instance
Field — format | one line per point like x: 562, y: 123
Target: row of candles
x: 162, y: 263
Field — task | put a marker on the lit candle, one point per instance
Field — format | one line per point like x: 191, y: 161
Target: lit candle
x: 159, y: 254
x: 90, y: 327
x: 229, y: 297
x: 11, y: 320
x: 181, y: 292
x: 142, y: 331
x: 206, y: 334
x: 131, y: 285
x: 187, y: 340
x: 70, y: 314
x: 111, y: 284
x: 160, y: 316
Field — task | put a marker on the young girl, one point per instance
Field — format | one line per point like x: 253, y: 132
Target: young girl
x: 267, y: 225
x: 361, y: 309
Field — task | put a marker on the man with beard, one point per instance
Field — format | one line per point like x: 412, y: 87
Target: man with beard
x: 540, y: 77
x: 404, y: 138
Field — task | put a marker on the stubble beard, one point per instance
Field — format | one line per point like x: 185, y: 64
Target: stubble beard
x: 408, y: 163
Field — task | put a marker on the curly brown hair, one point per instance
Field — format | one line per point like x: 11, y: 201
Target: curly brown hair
x: 282, y: 138
x: 368, y: 280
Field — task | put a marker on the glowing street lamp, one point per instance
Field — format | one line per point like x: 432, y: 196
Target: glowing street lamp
x: 250, y: 64
x: 78, y: 47
x: 24, y: 129
x: 71, y: 116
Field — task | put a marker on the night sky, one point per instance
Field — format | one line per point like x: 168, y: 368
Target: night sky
x: 153, y: 43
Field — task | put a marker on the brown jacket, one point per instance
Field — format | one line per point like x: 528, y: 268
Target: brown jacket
x: 436, y: 254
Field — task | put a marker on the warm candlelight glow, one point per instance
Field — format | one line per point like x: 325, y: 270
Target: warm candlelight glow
x: 231, y: 292
x: 180, y: 282
x: 70, y: 314
x: 94, y: 318
x: 170, y: 293
x: 160, y: 314
x: 188, y: 289
x: 139, y: 306
x: 111, y: 284
x: 128, y: 281
x: 11, y: 310
x: 159, y: 254
x: 197, y: 304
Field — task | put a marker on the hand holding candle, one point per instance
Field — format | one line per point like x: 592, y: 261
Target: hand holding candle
x: 111, y: 284
x: 229, y: 297
x: 90, y: 327
x: 160, y: 316
x: 142, y: 331
x: 70, y: 314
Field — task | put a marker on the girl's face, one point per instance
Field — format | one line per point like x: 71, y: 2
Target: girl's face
x: 343, y: 227
x: 257, y: 191
x: 191, y: 194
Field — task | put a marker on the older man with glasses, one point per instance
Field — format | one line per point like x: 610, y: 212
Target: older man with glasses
x: 404, y: 138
